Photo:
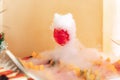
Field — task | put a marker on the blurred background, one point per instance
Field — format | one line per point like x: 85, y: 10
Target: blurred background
x: 27, y: 23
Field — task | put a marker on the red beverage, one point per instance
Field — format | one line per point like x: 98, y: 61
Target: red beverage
x: 61, y: 36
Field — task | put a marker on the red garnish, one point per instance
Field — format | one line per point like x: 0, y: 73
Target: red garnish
x: 0, y: 35
x: 61, y: 36
x: 26, y: 58
x: 117, y: 65
x: 18, y: 76
x: 6, y: 72
x: 30, y: 79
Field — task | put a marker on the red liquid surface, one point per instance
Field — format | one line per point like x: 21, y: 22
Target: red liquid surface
x: 61, y: 36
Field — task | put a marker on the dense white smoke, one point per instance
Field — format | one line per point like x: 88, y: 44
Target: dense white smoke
x: 71, y: 53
